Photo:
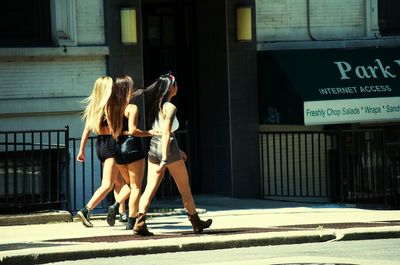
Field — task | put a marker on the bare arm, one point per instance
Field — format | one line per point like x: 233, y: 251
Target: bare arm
x: 169, y: 111
x: 85, y: 135
x: 131, y: 112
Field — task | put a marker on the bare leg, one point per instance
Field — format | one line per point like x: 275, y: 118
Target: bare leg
x: 118, y: 184
x: 123, y: 194
x: 153, y: 182
x: 109, y: 174
x: 136, y: 172
x: 125, y: 190
x: 179, y: 173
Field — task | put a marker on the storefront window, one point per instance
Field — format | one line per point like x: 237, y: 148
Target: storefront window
x: 389, y: 19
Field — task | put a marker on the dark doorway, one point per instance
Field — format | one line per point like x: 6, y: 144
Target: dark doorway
x: 168, y: 45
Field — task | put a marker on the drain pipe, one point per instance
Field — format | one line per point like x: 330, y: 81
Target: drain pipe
x: 308, y: 22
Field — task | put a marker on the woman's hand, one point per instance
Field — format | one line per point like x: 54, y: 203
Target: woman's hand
x: 183, y: 155
x: 162, y: 166
x: 81, y: 157
x: 155, y: 133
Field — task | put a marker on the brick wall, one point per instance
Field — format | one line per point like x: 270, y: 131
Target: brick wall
x: 60, y: 77
x: 44, y: 91
x: 90, y: 22
x: 286, y: 20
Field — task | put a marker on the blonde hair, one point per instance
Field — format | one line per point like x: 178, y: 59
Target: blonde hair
x: 93, y: 114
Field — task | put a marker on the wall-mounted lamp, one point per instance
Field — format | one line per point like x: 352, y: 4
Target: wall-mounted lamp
x: 243, y: 23
x: 128, y: 26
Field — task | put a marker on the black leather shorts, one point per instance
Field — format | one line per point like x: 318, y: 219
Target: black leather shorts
x: 105, y: 147
x: 155, y: 152
x: 128, y: 149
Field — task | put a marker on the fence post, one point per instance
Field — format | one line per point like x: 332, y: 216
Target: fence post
x: 340, y: 158
x: 68, y: 159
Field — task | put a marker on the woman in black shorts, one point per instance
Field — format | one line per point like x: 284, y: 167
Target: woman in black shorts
x: 122, y: 117
x: 95, y: 120
x: 165, y: 153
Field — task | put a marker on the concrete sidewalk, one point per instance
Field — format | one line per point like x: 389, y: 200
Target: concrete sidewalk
x: 236, y: 223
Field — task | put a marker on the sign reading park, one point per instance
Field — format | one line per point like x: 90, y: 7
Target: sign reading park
x: 330, y: 86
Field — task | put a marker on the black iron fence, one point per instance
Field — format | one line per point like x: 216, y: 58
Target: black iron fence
x: 392, y: 185
x: 85, y: 177
x: 347, y: 166
x: 38, y: 169
x: 297, y: 164
x: 34, y: 170
x: 361, y: 164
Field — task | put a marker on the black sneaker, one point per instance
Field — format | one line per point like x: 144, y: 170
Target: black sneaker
x: 123, y: 218
x: 84, y: 216
x: 111, y: 213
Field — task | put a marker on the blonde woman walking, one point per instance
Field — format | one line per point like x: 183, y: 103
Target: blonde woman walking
x: 95, y: 120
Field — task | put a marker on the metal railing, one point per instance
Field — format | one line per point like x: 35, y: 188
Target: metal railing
x: 297, y: 164
x: 392, y: 187
x: 362, y: 171
x: 34, y: 172
x: 345, y: 165
x: 85, y: 177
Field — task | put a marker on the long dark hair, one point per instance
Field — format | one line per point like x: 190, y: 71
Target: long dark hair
x: 122, y: 91
x: 155, y: 96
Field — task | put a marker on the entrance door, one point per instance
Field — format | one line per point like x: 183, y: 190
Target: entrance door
x: 168, y: 46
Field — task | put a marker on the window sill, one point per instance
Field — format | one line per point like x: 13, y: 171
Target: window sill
x: 329, y: 44
x: 82, y: 51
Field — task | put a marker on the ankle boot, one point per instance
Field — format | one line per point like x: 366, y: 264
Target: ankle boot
x: 140, y: 227
x: 198, y: 224
x: 131, y: 223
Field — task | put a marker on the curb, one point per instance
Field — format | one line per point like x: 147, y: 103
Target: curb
x: 265, y: 239
x: 35, y: 218
x: 369, y: 235
x: 159, y: 249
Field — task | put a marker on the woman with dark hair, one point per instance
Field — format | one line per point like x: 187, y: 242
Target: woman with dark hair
x: 165, y: 153
x: 122, y: 117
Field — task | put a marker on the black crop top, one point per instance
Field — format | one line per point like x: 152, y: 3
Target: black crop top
x: 125, y: 126
x: 104, y: 122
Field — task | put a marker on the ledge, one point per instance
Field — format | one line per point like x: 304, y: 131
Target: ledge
x: 54, y: 51
x: 38, y: 106
x: 329, y: 44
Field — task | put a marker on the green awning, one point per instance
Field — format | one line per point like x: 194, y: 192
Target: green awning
x: 329, y: 86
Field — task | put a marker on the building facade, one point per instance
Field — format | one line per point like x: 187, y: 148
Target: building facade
x: 231, y: 89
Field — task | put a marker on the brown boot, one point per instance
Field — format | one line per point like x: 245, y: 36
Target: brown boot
x: 197, y: 224
x: 140, y: 227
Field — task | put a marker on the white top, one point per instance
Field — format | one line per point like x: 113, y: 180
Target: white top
x: 158, y: 124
